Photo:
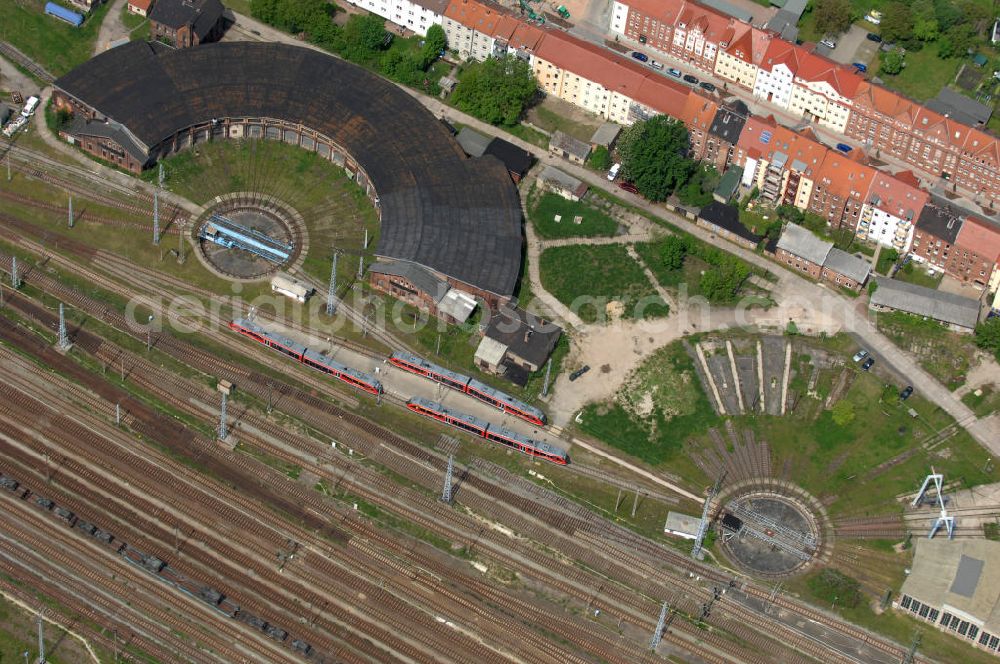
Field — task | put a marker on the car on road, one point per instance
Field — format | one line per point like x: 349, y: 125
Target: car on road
x: 860, y: 355
x: 871, y: 36
x: 844, y: 147
x: 705, y: 85
x: 829, y: 43
x: 905, y: 394
x: 613, y: 172
x: 868, y: 363
x: 579, y: 372
x: 693, y: 80
x: 860, y: 66
x: 629, y: 187
x: 676, y: 73
x: 641, y: 57
x: 655, y: 65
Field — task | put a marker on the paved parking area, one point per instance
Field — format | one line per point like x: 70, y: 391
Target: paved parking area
x: 849, y: 44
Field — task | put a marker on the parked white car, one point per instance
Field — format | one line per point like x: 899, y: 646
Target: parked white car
x: 613, y: 173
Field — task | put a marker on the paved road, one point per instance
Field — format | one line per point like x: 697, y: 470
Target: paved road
x: 112, y: 28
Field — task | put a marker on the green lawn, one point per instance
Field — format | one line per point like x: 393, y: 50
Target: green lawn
x: 915, y: 274
x: 549, y: 115
x: 924, y: 75
x: 54, y: 44
x: 587, y: 278
x: 984, y: 403
x: 138, y: 25
x: 545, y: 206
x: 944, y: 354
x: 529, y: 135
x: 658, y: 407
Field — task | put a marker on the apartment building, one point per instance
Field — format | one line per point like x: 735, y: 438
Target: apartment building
x: 822, y: 92
x: 686, y: 30
x: 891, y: 210
x: 935, y: 233
x: 776, y: 74
x: 977, y: 252
x: 470, y: 26
x: 415, y: 15
x: 840, y: 190
x: 740, y: 61
x: 781, y: 163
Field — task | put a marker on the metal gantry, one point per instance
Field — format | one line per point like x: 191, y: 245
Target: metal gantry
x: 41, y: 640
x: 446, y: 490
x: 361, y: 267
x: 548, y: 372
x: 15, y: 278
x: 696, y: 551
x: 331, y: 294
x: 63, y: 336
x: 70, y: 212
x: 156, y: 216
x: 944, y: 519
x: 223, y: 432
x: 660, y: 624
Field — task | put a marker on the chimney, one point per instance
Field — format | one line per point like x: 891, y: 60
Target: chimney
x: 527, y: 335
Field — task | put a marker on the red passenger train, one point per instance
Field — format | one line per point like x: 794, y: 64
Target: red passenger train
x: 483, y: 429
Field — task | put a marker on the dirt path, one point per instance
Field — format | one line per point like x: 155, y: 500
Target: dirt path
x: 112, y: 28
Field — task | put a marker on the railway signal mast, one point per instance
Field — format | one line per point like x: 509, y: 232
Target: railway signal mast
x: 41, y: 641
x: 70, y: 217
x: 223, y: 433
x: 944, y: 519
x: 15, y: 278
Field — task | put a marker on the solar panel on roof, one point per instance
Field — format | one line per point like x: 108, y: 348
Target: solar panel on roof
x: 765, y: 137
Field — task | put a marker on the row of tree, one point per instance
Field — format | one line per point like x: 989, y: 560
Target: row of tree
x: 721, y: 283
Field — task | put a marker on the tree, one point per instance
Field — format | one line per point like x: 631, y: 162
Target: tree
x: 362, y: 38
x: 599, y: 159
x: 791, y: 213
x: 497, y: 90
x: 673, y: 251
x: 654, y: 156
x: 892, y: 62
x: 313, y: 17
x: 957, y: 41
x: 435, y: 43
x: 697, y: 191
x: 897, y: 22
x: 988, y: 336
x: 925, y: 29
x: 843, y: 413
x: 832, y: 16
x: 723, y: 283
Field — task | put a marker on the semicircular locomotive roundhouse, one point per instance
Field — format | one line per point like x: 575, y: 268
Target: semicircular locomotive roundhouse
x: 459, y: 217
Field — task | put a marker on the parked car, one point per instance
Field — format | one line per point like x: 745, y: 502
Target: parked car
x: 861, y: 67
x: 628, y: 186
x: 613, y: 172
x: 868, y: 363
x: 641, y: 57
x: 829, y: 43
x: 655, y: 65
x: 579, y: 372
x: 844, y: 147
x: 871, y: 36
x: 860, y: 355
x: 691, y: 79
x: 905, y: 394
x: 676, y: 73
x: 874, y: 17
x: 707, y: 86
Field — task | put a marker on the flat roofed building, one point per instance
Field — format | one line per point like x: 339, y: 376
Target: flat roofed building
x: 682, y: 525
x: 955, y: 586
x: 529, y: 339
x: 473, y: 143
x: 561, y: 183
x: 289, y: 286
x: 565, y: 146
x: 799, y: 248
x: 958, y: 313
x: 846, y: 270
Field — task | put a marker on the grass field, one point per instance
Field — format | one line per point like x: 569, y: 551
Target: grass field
x: 52, y: 43
x: 656, y: 410
x: 944, y: 354
x: 335, y: 210
x: 915, y: 274
x: 924, y: 75
x: 984, y: 403
x: 545, y: 206
x: 551, y: 115
x: 588, y: 277
x: 138, y: 25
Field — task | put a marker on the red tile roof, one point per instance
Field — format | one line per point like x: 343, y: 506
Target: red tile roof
x: 717, y: 28
x: 698, y: 112
x: 781, y: 52
x: 816, y: 68
x: 614, y: 72
x: 141, y: 5
x: 526, y: 37
x: 845, y: 177
x: 664, y: 11
x: 980, y: 236
x: 897, y: 196
x: 750, y: 44
x: 480, y: 16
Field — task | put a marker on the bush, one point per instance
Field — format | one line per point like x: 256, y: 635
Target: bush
x: 496, y: 90
x: 599, y: 159
x: 836, y: 588
x: 988, y: 336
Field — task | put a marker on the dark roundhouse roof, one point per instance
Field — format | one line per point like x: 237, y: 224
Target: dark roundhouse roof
x: 458, y: 216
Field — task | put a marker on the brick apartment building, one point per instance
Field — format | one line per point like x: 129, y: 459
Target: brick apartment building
x: 185, y: 23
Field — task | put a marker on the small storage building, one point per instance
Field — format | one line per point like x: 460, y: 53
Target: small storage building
x: 289, y: 286
x: 73, y: 18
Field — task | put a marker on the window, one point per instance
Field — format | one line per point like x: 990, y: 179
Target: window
x: 973, y: 630
x: 963, y: 628
x: 984, y: 638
